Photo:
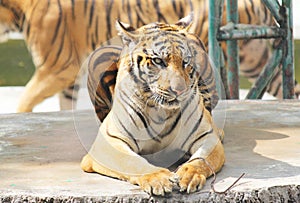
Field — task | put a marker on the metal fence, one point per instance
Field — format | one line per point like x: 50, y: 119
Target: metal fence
x: 233, y: 31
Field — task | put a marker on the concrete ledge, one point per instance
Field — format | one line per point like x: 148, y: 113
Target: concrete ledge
x: 40, y: 155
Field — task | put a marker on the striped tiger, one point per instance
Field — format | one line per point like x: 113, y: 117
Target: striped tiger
x: 60, y: 34
x: 158, y: 116
x: 102, y: 71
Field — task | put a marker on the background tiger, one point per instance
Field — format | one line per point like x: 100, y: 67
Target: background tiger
x: 158, y: 116
x: 61, y: 33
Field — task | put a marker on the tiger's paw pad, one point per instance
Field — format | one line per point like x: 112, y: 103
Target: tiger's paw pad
x: 159, y: 183
x: 190, y: 179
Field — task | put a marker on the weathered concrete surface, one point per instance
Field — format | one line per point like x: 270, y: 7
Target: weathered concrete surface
x: 40, y: 155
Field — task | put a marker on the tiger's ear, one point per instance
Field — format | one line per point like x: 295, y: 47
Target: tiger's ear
x: 186, y: 22
x: 126, y: 32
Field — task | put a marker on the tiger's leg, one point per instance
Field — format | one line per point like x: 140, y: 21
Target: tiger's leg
x: 207, y: 154
x: 114, y: 156
x: 68, y: 97
x: 41, y: 86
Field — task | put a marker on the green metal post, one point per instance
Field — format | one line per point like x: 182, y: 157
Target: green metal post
x: 242, y: 31
x: 213, y: 44
x: 288, y: 77
x: 232, y: 51
x: 274, y: 7
x: 265, y: 76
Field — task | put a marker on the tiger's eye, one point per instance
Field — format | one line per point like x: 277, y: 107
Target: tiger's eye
x: 186, y: 61
x: 158, y: 61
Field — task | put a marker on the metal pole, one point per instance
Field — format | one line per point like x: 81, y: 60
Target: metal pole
x: 213, y: 44
x: 242, y: 31
x: 288, y: 76
x: 232, y: 51
x: 274, y: 7
x: 265, y: 76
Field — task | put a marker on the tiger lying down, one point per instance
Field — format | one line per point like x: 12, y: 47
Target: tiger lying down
x: 160, y: 115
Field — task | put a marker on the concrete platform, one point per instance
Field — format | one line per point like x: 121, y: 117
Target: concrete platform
x: 40, y: 155
x: 10, y: 97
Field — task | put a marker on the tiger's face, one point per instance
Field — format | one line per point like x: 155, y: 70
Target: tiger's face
x: 162, y: 60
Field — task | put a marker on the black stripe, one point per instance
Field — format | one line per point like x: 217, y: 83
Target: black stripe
x: 68, y: 61
x: 192, y: 113
x: 160, y: 17
x: 68, y: 96
x: 59, y: 20
x: 201, y: 136
x: 262, y: 60
x: 273, y: 83
x: 181, y: 11
x: 172, y: 127
x: 92, y: 13
x: 178, y: 117
x: 277, y: 89
x: 128, y: 133
x: 118, y: 138
x: 21, y: 22
x: 247, y: 12
x: 174, y: 5
x: 195, y: 128
x: 104, y: 58
x: 58, y: 54
x: 94, y: 44
x: 139, y: 5
x: 130, y: 115
x: 141, y: 116
x: 108, y: 9
x: 105, y: 87
x: 45, y: 58
x: 73, y: 8
x: 28, y: 30
x: 85, y: 6
x: 111, y: 82
x: 252, y: 6
x: 139, y: 20
x: 253, y: 76
x: 129, y: 13
x: 75, y: 87
x: 126, y: 100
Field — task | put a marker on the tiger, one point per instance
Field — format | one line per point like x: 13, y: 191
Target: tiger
x: 102, y: 69
x: 158, y: 115
x: 60, y: 34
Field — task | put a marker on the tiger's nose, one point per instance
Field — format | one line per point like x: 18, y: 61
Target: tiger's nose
x: 178, y: 85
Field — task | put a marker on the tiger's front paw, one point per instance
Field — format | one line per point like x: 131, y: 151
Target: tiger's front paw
x: 190, y: 178
x: 158, y: 183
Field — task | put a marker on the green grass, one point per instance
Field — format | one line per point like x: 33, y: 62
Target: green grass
x: 297, y: 60
x: 16, y: 65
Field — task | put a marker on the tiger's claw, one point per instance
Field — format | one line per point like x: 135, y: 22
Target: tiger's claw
x: 158, y: 183
x: 190, y: 179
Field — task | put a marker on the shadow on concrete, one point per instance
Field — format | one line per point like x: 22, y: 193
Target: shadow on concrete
x: 240, y: 156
